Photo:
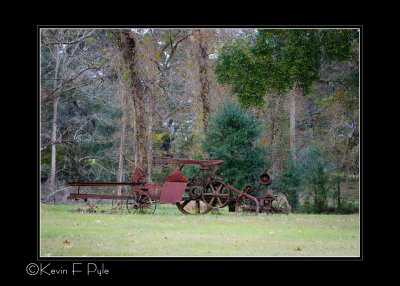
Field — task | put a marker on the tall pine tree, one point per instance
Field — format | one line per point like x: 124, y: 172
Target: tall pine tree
x: 232, y: 136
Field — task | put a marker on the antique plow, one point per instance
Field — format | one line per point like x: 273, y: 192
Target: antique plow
x: 198, y: 194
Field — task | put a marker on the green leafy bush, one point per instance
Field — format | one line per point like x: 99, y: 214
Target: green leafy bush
x: 288, y: 182
x: 315, y: 178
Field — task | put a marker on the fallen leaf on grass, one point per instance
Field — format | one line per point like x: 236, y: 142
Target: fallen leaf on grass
x: 130, y: 233
x: 299, y: 231
x: 97, y: 221
x: 297, y: 249
x: 66, y: 241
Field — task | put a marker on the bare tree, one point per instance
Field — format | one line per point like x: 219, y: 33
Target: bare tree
x: 146, y: 82
x: 67, y: 73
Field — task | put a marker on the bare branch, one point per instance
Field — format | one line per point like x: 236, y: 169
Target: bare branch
x: 73, y: 42
x: 68, y: 142
x: 55, y: 93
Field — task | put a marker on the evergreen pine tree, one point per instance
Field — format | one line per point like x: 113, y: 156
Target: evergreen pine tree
x: 232, y: 136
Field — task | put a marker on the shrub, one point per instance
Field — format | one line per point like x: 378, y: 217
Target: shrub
x: 315, y: 178
x: 288, y: 182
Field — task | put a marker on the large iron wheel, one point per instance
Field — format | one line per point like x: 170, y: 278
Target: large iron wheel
x: 193, y: 205
x: 215, y: 194
x: 199, y: 207
x: 247, y: 206
x: 140, y: 202
x: 280, y: 204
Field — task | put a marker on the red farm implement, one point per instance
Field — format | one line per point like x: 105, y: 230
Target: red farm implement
x: 198, y: 194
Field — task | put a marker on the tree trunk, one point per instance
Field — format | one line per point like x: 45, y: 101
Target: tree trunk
x: 152, y: 107
x: 203, y: 78
x: 54, y: 133
x: 53, y: 147
x: 134, y: 143
x: 122, y: 143
x: 127, y: 45
x: 140, y: 120
x: 292, y: 113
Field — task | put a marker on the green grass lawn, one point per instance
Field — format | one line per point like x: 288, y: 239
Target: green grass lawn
x: 65, y: 232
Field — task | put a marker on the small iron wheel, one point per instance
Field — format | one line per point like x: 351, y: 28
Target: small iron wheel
x: 140, y: 202
x: 199, y: 207
x: 280, y: 204
x: 247, y: 206
x: 195, y: 192
x: 215, y: 194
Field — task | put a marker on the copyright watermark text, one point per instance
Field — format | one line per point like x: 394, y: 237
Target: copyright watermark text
x: 46, y: 269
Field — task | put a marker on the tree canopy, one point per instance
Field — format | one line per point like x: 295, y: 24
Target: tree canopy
x: 280, y: 59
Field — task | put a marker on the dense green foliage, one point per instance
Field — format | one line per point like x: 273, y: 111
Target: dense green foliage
x: 279, y: 59
x: 268, y: 63
x: 311, y: 178
x: 232, y: 136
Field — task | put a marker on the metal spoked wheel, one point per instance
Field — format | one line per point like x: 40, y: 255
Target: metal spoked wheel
x: 280, y: 205
x: 216, y: 194
x: 140, y: 202
x: 247, y: 206
x: 193, y: 205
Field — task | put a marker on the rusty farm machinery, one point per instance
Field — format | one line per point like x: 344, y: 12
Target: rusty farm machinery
x: 198, y: 194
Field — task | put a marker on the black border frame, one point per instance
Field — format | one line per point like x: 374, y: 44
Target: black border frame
x: 121, y: 265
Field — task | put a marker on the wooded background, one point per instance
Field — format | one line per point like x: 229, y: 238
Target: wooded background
x: 281, y: 100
